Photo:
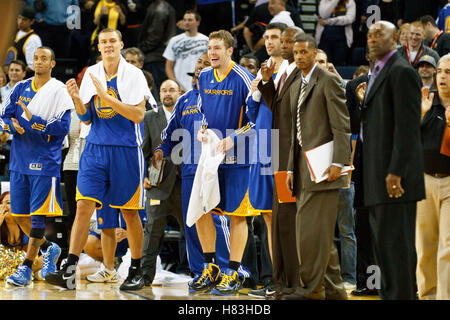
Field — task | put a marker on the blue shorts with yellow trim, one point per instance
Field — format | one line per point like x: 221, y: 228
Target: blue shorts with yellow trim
x: 110, y: 218
x: 114, y: 174
x: 233, y: 185
x: 35, y: 195
x: 260, y: 189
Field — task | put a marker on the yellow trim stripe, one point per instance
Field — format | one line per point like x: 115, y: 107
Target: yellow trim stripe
x: 79, y: 196
x: 133, y: 203
x: 33, y: 86
x: 127, y: 208
x: 46, y: 210
x: 226, y: 73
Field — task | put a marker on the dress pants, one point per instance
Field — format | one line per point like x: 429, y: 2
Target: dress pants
x: 320, y: 273
x: 432, y: 240
x: 392, y: 228
x: 284, y: 246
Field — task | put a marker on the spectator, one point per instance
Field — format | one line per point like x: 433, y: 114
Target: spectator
x: 216, y: 13
x: 16, y: 73
x: 183, y: 51
x: 438, y: 39
x: 432, y: 223
x: 51, y: 18
x: 334, y: 32
x: 26, y: 41
x: 427, y: 71
x: 81, y: 38
x: 277, y: 9
x: 415, y: 48
x: 360, y: 71
x: 403, y: 35
x: 411, y: 10
x: 322, y: 61
x: 108, y: 14
x: 442, y: 18
x: 3, y: 79
x: 251, y: 63
x: 158, y: 27
x: 136, y: 13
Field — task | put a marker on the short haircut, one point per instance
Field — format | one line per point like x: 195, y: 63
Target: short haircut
x: 52, y: 53
x: 426, y: 19
x: 298, y: 30
x: 108, y: 30
x: 136, y: 52
x: 276, y: 25
x: 311, y: 42
x: 251, y: 56
x: 20, y: 63
x: 170, y: 80
x: 195, y: 13
x: 443, y: 59
x: 403, y: 27
x: 361, y: 70
x: 224, y: 35
x: 417, y: 24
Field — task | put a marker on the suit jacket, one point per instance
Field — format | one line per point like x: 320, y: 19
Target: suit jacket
x: 354, y: 109
x: 154, y: 123
x: 280, y: 106
x: 324, y: 117
x: 390, y: 116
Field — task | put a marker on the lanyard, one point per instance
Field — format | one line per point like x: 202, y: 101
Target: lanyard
x: 433, y: 44
x: 417, y: 56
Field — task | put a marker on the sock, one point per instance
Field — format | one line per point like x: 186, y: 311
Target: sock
x: 72, y: 260
x: 135, y: 266
x: 45, y: 245
x: 28, y: 263
x: 234, y: 265
x: 210, y: 257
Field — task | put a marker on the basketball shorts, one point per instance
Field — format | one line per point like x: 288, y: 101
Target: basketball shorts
x: 35, y: 195
x: 112, y: 173
x: 121, y: 247
x: 260, y: 188
x: 111, y: 218
x: 233, y: 184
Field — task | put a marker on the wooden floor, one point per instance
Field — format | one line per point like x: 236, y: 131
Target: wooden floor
x: 40, y: 290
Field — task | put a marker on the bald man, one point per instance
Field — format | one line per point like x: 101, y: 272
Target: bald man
x: 393, y: 179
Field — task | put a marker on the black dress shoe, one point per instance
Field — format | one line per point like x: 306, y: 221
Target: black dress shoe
x: 364, y: 292
x: 134, y: 281
x: 147, y: 280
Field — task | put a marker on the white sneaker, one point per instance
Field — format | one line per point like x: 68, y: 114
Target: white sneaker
x: 349, y: 286
x: 104, y: 275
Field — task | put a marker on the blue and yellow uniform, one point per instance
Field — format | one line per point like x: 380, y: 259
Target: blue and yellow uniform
x: 112, y: 164
x: 35, y: 160
x: 187, y: 117
x: 222, y: 103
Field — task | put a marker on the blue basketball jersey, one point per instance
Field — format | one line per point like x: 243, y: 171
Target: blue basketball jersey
x: 109, y: 127
x: 38, y: 150
x: 223, y: 104
x: 185, y: 116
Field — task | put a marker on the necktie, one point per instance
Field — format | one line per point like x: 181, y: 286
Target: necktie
x: 300, y: 100
x: 282, y: 81
x: 372, y: 79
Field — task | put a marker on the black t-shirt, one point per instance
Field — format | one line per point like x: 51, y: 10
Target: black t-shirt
x: 443, y: 44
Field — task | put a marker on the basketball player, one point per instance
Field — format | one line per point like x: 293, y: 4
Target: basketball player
x: 112, y: 99
x: 39, y: 123
x: 224, y: 88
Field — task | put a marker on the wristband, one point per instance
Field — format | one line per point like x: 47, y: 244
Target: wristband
x: 85, y: 117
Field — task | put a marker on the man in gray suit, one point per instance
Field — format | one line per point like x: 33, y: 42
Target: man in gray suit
x: 318, y: 115
x: 164, y: 199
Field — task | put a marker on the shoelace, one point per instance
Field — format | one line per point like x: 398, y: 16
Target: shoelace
x: 21, y: 270
x: 226, y: 279
x: 205, y: 274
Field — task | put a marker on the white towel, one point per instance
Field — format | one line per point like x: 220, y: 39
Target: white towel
x: 51, y: 101
x: 131, y: 83
x: 205, y: 194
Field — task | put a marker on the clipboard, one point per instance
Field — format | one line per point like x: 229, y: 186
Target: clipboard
x: 284, y: 195
x: 155, y: 175
x: 319, y: 159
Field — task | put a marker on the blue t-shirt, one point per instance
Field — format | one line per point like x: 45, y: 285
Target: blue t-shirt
x: 110, y: 128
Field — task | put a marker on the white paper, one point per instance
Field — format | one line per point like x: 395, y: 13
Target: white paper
x: 320, y: 159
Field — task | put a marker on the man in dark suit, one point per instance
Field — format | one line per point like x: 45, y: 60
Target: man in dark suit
x: 284, y: 249
x: 392, y: 162
x: 164, y: 199
x: 318, y: 115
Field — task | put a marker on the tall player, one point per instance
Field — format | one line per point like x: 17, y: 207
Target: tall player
x: 37, y: 112
x: 112, y: 97
x: 224, y: 88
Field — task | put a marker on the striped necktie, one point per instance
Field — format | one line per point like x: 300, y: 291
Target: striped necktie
x: 300, y: 100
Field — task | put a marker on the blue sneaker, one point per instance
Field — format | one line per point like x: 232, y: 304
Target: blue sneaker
x: 50, y: 257
x: 229, y: 285
x: 207, y: 280
x: 21, y: 278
